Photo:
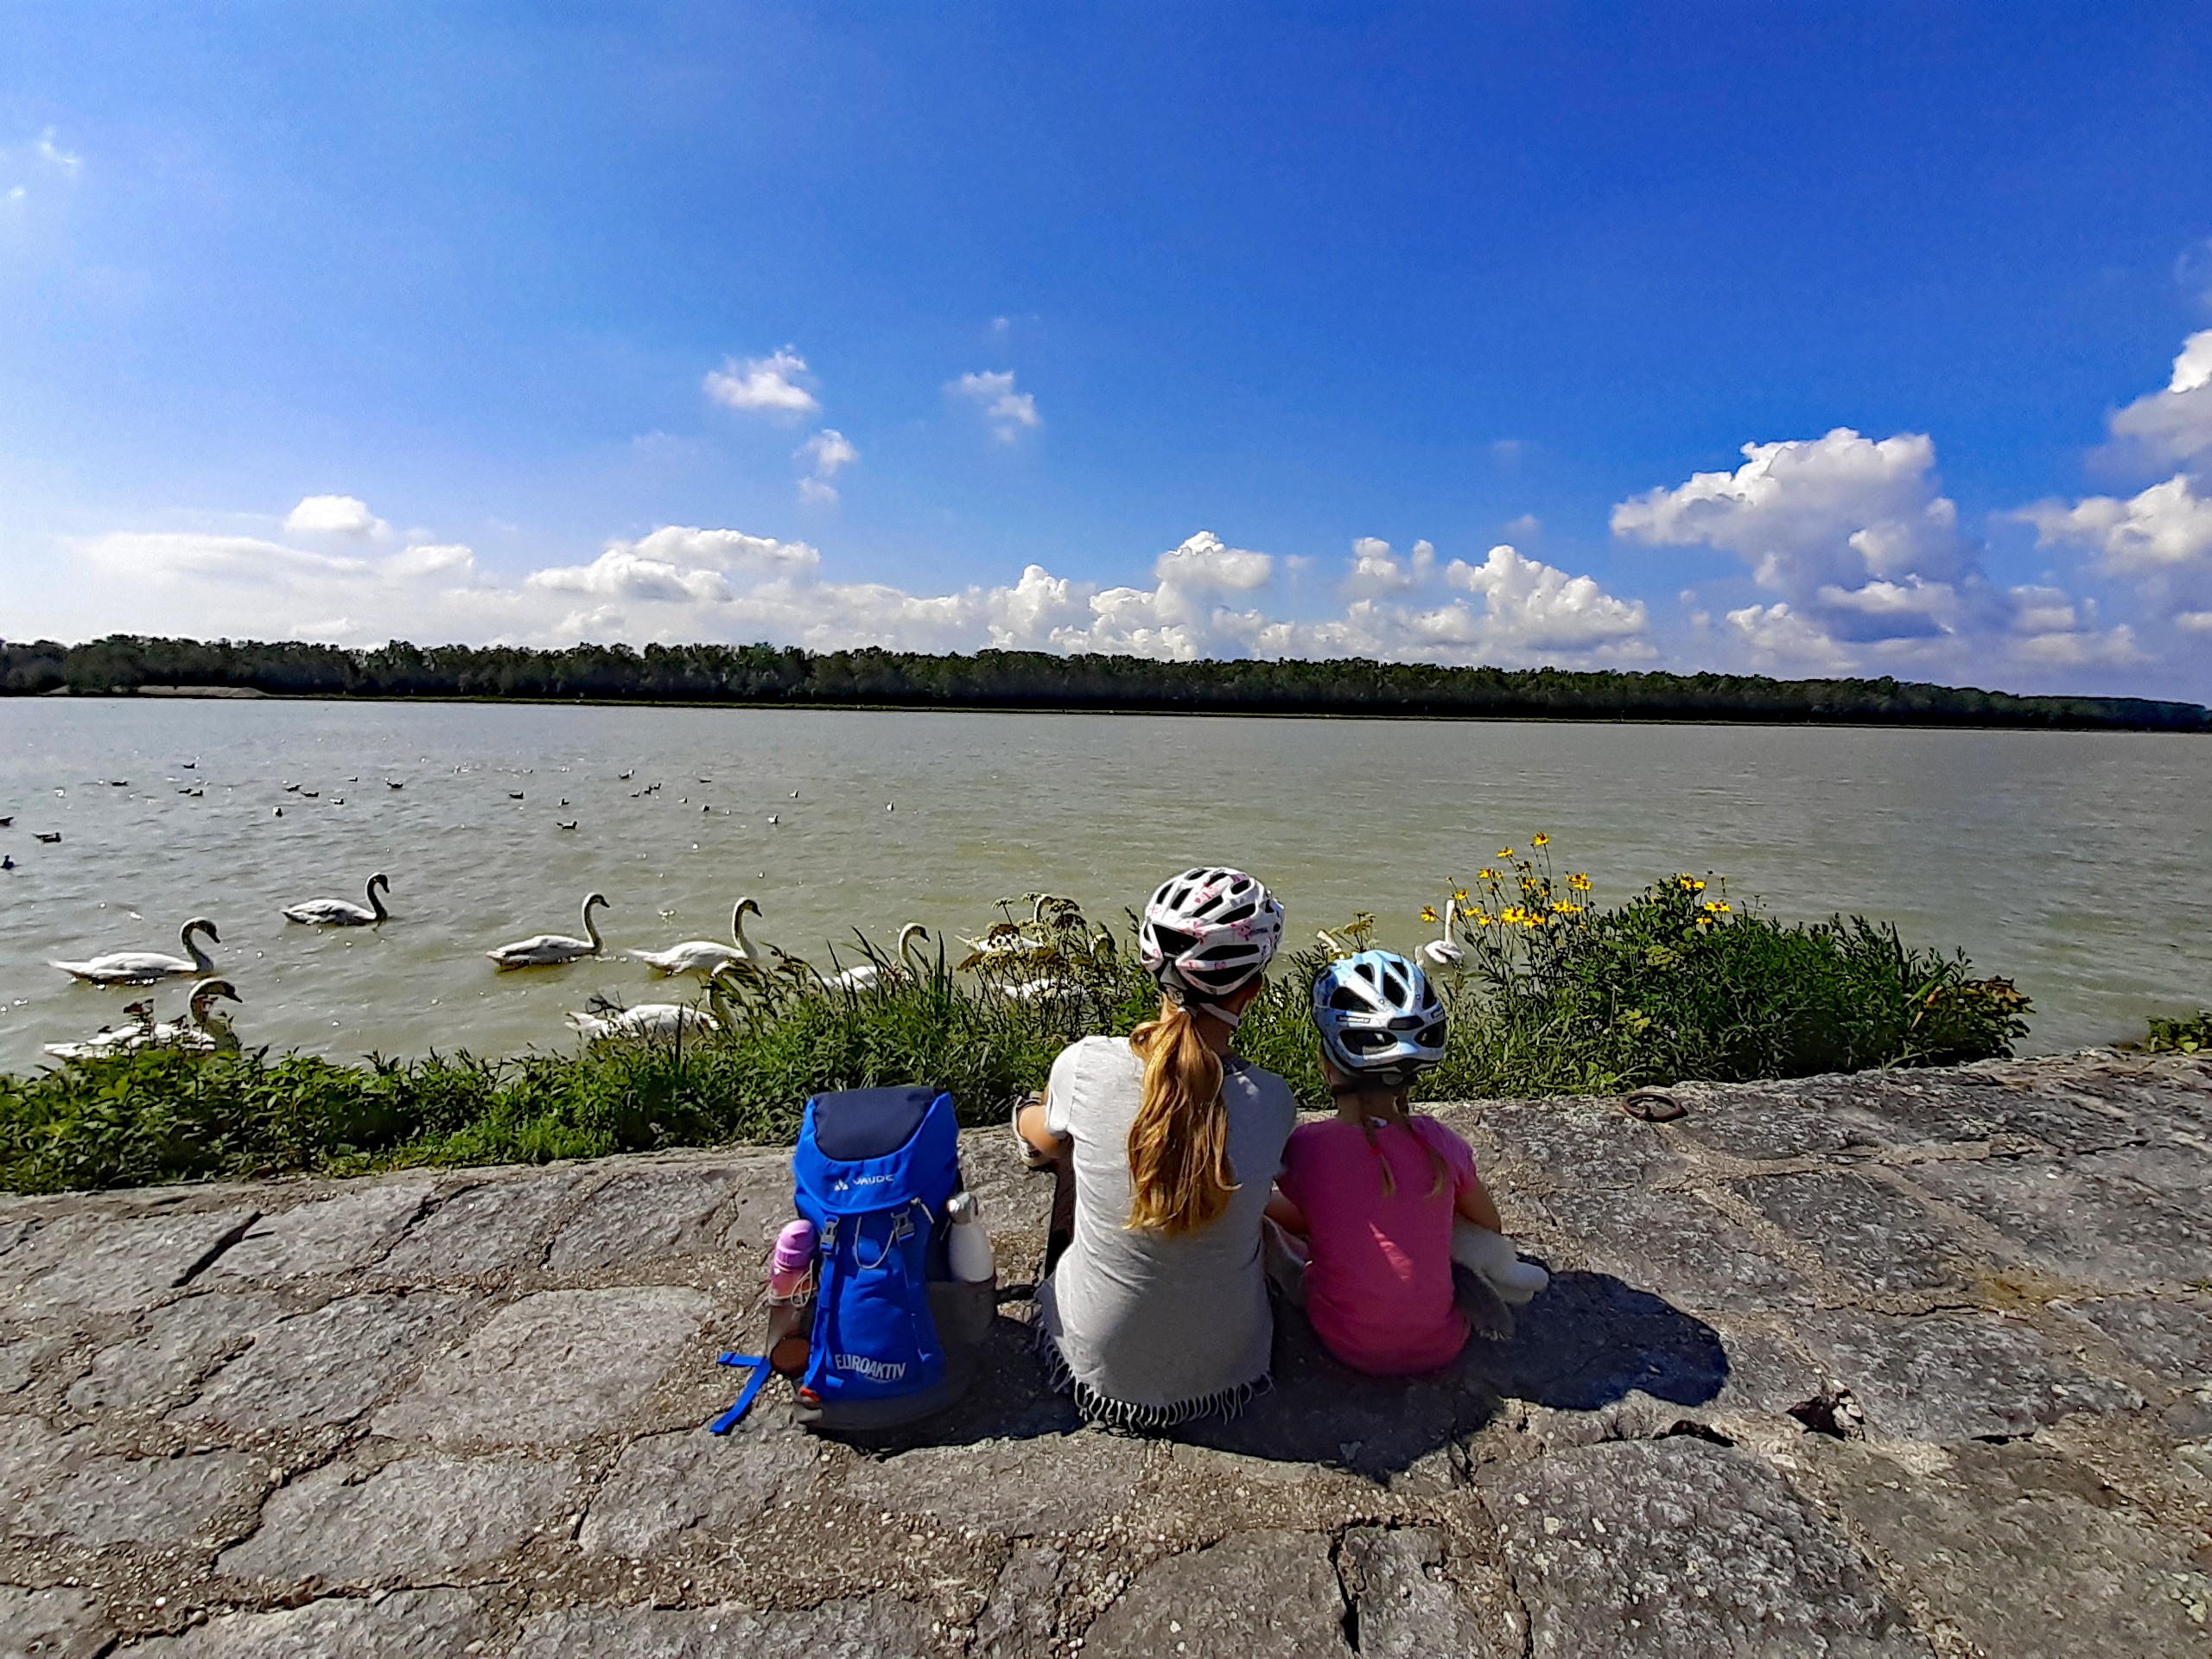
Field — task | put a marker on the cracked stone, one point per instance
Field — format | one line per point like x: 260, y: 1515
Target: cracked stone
x: 1259, y: 1595
x: 326, y: 1235
x: 155, y: 1503
x: 1405, y: 1607
x: 1017, y: 1489
x: 658, y: 1211
x: 98, y: 1264
x: 667, y: 1485
x: 1571, y: 1144
x: 328, y: 1367
x: 1678, y: 1547
x: 2093, y: 1229
x: 52, y: 1624
x: 22, y: 1353
x: 1676, y: 1246
x: 407, y: 1624
x: 1873, y: 1237
x: 500, y: 1227
x: 880, y: 1628
x: 2020, y: 1551
x: 174, y: 1347
x: 1019, y: 1619
x: 2181, y: 1175
x: 1752, y: 1128
x: 561, y: 1365
x: 1951, y: 1376
x: 31, y: 1453
x: 425, y: 1518
x: 2169, y: 1335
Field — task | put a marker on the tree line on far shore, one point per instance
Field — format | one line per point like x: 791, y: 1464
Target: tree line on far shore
x: 786, y: 675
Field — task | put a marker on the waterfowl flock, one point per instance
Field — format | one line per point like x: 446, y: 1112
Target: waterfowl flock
x: 721, y: 966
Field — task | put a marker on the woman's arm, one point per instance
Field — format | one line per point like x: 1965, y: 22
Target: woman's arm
x: 1286, y: 1214
x: 1030, y: 1125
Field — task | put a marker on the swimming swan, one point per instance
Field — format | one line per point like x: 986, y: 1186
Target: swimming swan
x: 207, y: 1032
x: 148, y: 967
x: 704, y: 956
x: 1442, y: 953
x: 343, y: 913
x: 550, y: 950
x: 866, y: 975
x: 652, y: 1019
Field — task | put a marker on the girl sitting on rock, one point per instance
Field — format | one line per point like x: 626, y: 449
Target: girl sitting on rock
x: 1386, y: 1200
x: 1156, y: 1310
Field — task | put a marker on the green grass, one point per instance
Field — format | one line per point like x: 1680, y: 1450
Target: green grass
x: 1661, y: 988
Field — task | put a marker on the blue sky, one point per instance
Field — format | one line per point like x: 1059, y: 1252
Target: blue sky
x: 1429, y: 332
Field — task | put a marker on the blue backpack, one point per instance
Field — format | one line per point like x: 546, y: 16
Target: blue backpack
x: 874, y: 1168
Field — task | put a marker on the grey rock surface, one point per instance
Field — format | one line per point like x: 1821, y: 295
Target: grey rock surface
x: 410, y: 1625
x: 1893, y: 1364
x: 1271, y: 1595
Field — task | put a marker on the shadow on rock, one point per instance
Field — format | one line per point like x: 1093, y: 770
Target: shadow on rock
x: 1586, y: 1341
x: 1592, y: 1338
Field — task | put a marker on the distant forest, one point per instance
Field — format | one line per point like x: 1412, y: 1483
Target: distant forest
x: 786, y: 676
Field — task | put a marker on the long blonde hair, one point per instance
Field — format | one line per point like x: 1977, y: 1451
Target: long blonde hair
x: 1395, y: 1112
x: 1180, y: 1178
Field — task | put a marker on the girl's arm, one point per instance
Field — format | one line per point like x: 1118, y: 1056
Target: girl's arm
x: 1473, y: 1203
x: 1286, y: 1214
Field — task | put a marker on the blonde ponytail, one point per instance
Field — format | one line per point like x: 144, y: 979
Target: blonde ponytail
x: 1179, y: 1177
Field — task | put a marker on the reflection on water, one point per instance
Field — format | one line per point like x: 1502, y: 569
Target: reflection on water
x: 2073, y: 861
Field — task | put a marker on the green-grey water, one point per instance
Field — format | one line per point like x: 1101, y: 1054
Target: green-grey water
x: 2075, y: 863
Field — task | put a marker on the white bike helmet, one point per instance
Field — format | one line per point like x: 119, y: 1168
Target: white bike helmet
x: 1379, y: 1020
x: 1207, y: 933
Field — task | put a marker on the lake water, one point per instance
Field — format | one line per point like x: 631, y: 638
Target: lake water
x: 2075, y: 863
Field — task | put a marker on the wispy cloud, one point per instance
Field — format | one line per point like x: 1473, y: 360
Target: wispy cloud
x: 53, y: 155
x: 825, y: 454
x: 1010, y: 413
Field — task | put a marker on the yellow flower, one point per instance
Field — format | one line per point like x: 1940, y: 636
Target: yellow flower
x: 1490, y: 875
x: 1697, y: 886
x: 1484, y: 919
x: 1719, y: 905
x: 1505, y: 852
x: 1579, y: 883
x: 1541, y: 841
x: 1459, y: 896
x: 1428, y: 912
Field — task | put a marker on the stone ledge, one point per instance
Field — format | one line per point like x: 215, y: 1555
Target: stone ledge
x: 1890, y: 1363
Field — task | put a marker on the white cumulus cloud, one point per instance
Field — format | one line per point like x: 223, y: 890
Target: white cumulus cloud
x: 1010, y: 413
x: 825, y: 454
x: 2175, y: 425
x: 2166, y: 527
x: 334, y: 515
x: 766, y: 386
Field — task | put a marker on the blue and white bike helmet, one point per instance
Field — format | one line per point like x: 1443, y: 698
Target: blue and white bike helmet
x: 1380, y: 1022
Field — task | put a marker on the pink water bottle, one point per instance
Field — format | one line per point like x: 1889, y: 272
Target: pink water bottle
x: 790, y: 1289
x: 793, y: 1262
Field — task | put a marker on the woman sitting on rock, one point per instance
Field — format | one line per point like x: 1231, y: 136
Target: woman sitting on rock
x: 1156, y: 1311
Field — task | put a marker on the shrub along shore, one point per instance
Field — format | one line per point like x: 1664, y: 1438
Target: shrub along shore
x: 774, y: 676
x: 1552, y: 994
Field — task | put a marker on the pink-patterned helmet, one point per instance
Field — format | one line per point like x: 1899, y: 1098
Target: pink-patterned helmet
x: 1208, y: 932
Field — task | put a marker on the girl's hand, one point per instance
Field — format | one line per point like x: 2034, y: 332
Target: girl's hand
x: 1474, y: 1205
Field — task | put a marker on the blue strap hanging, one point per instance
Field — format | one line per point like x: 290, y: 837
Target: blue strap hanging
x: 730, y: 1419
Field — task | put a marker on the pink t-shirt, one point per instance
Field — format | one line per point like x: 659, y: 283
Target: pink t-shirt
x: 1379, y: 1286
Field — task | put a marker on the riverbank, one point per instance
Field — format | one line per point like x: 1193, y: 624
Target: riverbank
x: 1892, y: 1363
x: 1553, y: 997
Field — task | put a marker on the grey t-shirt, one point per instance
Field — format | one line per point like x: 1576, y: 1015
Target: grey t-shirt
x: 1158, y: 1323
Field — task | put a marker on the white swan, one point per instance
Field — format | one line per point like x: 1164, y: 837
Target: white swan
x: 866, y: 975
x: 704, y: 956
x: 1442, y: 953
x: 207, y: 1032
x: 550, y: 950
x: 148, y: 967
x: 652, y: 1019
x: 343, y: 913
